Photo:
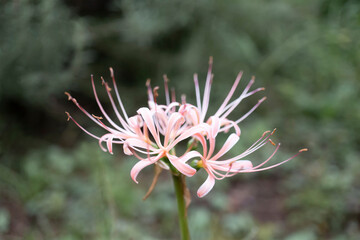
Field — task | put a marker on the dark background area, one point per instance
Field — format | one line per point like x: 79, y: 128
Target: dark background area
x: 55, y: 183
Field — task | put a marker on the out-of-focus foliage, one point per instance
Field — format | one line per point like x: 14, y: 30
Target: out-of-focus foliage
x: 40, y: 49
x: 306, y: 54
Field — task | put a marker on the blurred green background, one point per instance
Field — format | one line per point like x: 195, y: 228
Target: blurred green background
x: 55, y: 183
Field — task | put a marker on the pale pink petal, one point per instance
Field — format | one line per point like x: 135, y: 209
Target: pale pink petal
x: 103, y: 139
x: 181, y: 166
x: 215, y: 126
x: 148, y: 119
x: 135, y: 122
x: 138, y: 167
x: 188, y: 133
x: 109, y: 143
x: 142, y: 164
x: 171, y: 106
x: 136, y: 142
x: 192, y: 154
x: 230, y: 142
x: 174, y: 119
x: 241, y: 165
x: 228, y: 124
x: 206, y: 186
x: 194, y: 115
x: 232, y: 167
x: 162, y: 165
x: 202, y: 141
x: 127, y: 150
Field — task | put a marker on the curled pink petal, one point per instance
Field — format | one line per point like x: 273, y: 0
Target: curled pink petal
x: 215, y: 126
x: 138, y: 167
x: 126, y: 149
x: 181, y: 166
x: 230, y: 142
x: 206, y: 186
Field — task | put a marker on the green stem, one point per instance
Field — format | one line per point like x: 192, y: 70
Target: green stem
x: 179, y: 184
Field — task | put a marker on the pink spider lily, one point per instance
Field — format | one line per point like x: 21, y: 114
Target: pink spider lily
x: 152, y: 134
x: 219, y: 169
x: 141, y: 134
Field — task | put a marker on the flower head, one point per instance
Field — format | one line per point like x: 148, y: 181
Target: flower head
x: 153, y: 133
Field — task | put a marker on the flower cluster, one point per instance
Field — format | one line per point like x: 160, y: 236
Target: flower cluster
x: 154, y: 132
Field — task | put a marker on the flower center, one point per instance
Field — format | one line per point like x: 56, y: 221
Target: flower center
x: 200, y: 164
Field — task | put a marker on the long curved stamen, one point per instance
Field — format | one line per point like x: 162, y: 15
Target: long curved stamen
x: 265, y: 138
x: 250, y: 111
x: 278, y: 164
x: 197, y: 91
x: 246, y: 114
x: 70, y: 98
x: 269, y: 158
x: 86, y: 131
x: 228, y: 97
x: 117, y: 94
x: 207, y: 90
x: 167, y: 96
x: 230, y: 107
x: 149, y: 90
x: 122, y: 121
x: 101, y: 107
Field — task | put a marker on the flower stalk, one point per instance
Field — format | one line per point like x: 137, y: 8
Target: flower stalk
x: 180, y: 187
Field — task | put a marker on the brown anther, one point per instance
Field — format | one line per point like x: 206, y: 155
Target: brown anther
x: 212, y: 79
x: 303, y: 150
x: 262, y: 89
x: 148, y: 82
x: 211, y: 60
x: 173, y: 95
x: 106, y: 84
x: 155, y: 92
x: 69, y: 96
x: 111, y: 72
x: 166, y: 79
x: 266, y: 132
x: 273, y: 131
x: 272, y: 142
x: 98, y: 118
x: 183, y: 99
x: 68, y: 115
x: 263, y: 99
